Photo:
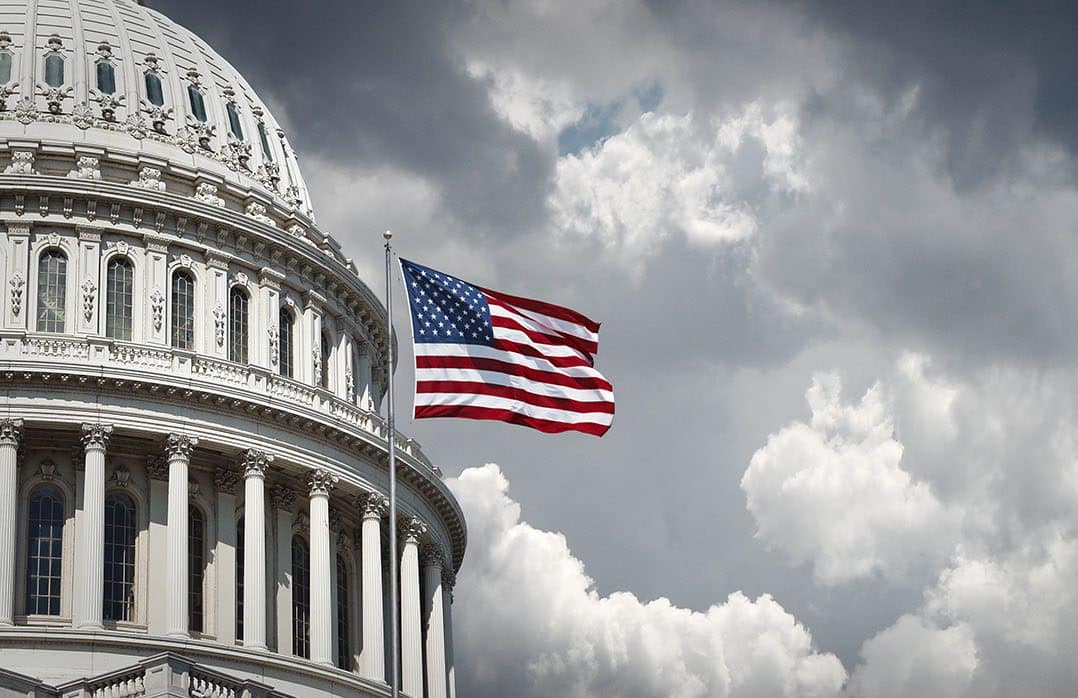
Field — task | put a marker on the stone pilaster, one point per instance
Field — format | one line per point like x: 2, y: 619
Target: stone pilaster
x: 10, y: 433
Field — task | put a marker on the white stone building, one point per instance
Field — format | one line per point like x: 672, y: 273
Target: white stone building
x: 192, y: 467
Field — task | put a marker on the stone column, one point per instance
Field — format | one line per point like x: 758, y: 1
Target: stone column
x: 225, y: 482
x: 320, y: 483
x: 178, y: 450
x: 372, y: 662
x: 91, y: 575
x: 433, y: 619
x: 10, y: 432
x: 157, y: 470
x: 449, y: 580
x: 255, y: 464
x: 411, y: 633
x: 284, y: 500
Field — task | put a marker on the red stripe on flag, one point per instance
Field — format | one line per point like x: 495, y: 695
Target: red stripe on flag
x: 513, y: 393
x: 483, y: 364
x: 544, y: 425
x: 528, y: 350
x: 558, y: 339
x: 550, y: 309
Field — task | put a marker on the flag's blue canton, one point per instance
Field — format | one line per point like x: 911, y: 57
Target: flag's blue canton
x: 444, y: 308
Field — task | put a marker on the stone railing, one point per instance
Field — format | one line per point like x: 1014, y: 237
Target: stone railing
x: 146, y: 364
x: 126, y: 683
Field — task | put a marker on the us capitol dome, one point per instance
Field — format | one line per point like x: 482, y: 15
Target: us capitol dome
x: 193, y: 471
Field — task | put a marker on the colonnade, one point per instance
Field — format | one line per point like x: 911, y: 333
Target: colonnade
x: 426, y: 636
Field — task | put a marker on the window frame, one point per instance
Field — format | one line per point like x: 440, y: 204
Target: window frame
x: 171, y: 300
x: 132, y: 612
x: 110, y: 70
x: 108, y: 296
x: 64, y: 289
x: 50, y: 58
x: 234, y: 343
x: 286, y: 342
x: 301, y: 644
x: 146, y: 87
x: 35, y: 489
x: 67, y: 565
x: 196, y: 579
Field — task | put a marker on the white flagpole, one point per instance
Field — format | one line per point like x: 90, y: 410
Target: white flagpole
x: 394, y: 662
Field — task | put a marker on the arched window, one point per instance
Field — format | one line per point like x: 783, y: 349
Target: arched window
x: 106, y: 78
x: 301, y: 598
x: 51, y: 291
x: 119, y: 298
x: 266, y: 151
x: 286, y: 325
x: 234, y: 120
x: 54, y: 70
x: 196, y: 567
x: 119, y: 557
x: 183, y: 310
x: 5, y: 66
x: 198, y: 105
x: 324, y: 378
x: 44, y: 551
x: 238, y: 303
x: 240, y: 547
x: 344, y: 610
x: 154, y: 93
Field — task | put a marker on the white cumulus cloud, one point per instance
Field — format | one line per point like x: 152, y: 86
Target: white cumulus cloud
x: 833, y: 492
x: 529, y: 623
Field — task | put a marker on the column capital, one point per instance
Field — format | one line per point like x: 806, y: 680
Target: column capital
x: 180, y: 446
x: 283, y: 497
x: 432, y: 555
x: 412, y: 530
x: 225, y: 480
x: 96, y: 435
x: 256, y: 462
x: 449, y: 578
x: 321, y: 481
x: 374, y: 505
x: 10, y: 432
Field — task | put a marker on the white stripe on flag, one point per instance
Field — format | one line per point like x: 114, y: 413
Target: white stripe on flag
x: 517, y: 406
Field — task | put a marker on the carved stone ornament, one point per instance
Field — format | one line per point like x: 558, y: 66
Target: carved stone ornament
x: 207, y: 193
x: 256, y: 462
x: 137, y: 126
x: 274, y: 343
x: 46, y: 470
x: 219, y: 325
x: 16, y: 282
x: 412, y: 530
x: 122, y: 477
x: 449, y: 579
x: 316, y: 361
x: 25, y: 110
x: 320, y: 482
x: 185, y: 261
x: 375, y: 506
x: 89, y: 295
x: 108, y: 104
x: 158, y: 116
x: 225, y: 480
x: 258, y: 212
x: 283, y: 497
x: 6, y: 92
x: 122, y: 247
x: 54, y: 239
x: 270, y: 175
x: 157, y: 308
x: 297, y: 230
x: 180, y: 446
x: 96, y: 435
x: 54, y: 97
x: 82, y: 115
x: 335, y: 520
x: 87, y: 167
x: 241, y: 279
x: 10, y: 432
x: 22, y: 162
x: 350, y: 385
x: 156, y: 467
x: 149, y: 178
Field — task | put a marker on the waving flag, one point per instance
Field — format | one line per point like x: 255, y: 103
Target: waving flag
x: 481, y: 354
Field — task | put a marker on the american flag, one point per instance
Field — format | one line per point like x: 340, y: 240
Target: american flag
x: 481, y: 354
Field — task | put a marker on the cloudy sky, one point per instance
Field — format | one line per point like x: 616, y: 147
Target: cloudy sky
x: 833, y: 248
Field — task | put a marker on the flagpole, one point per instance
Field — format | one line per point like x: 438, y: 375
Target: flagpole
x: 394, y: 663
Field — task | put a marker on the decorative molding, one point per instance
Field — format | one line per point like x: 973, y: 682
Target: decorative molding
x: 89, y: 295
x: 274, y: 333
x: 10, y: 432
x: 219, y: 325
x: 241, y: 279
x: 320, y: 482
x: 22, y: 162
x: 316, y: 365
x: 17, y: 283
x: 87, y: 167
x: 255, y: 463
x: 157, y: 308
x: 282, y: 497
x: 121, y: 477
x: 258, y: 212
x: 432, y: 555
x: 96, y: 435
x: 149, y: 178
x: 180, y: 446
x: 156, y: 467
x: 46, y: 469
x: 207, y: 194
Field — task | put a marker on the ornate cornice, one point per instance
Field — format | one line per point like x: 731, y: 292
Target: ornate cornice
x: 10, y: 432
x: 180, y: 446
x: 320, y: 482
x: 96, y: 436
x: 255, y: 463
